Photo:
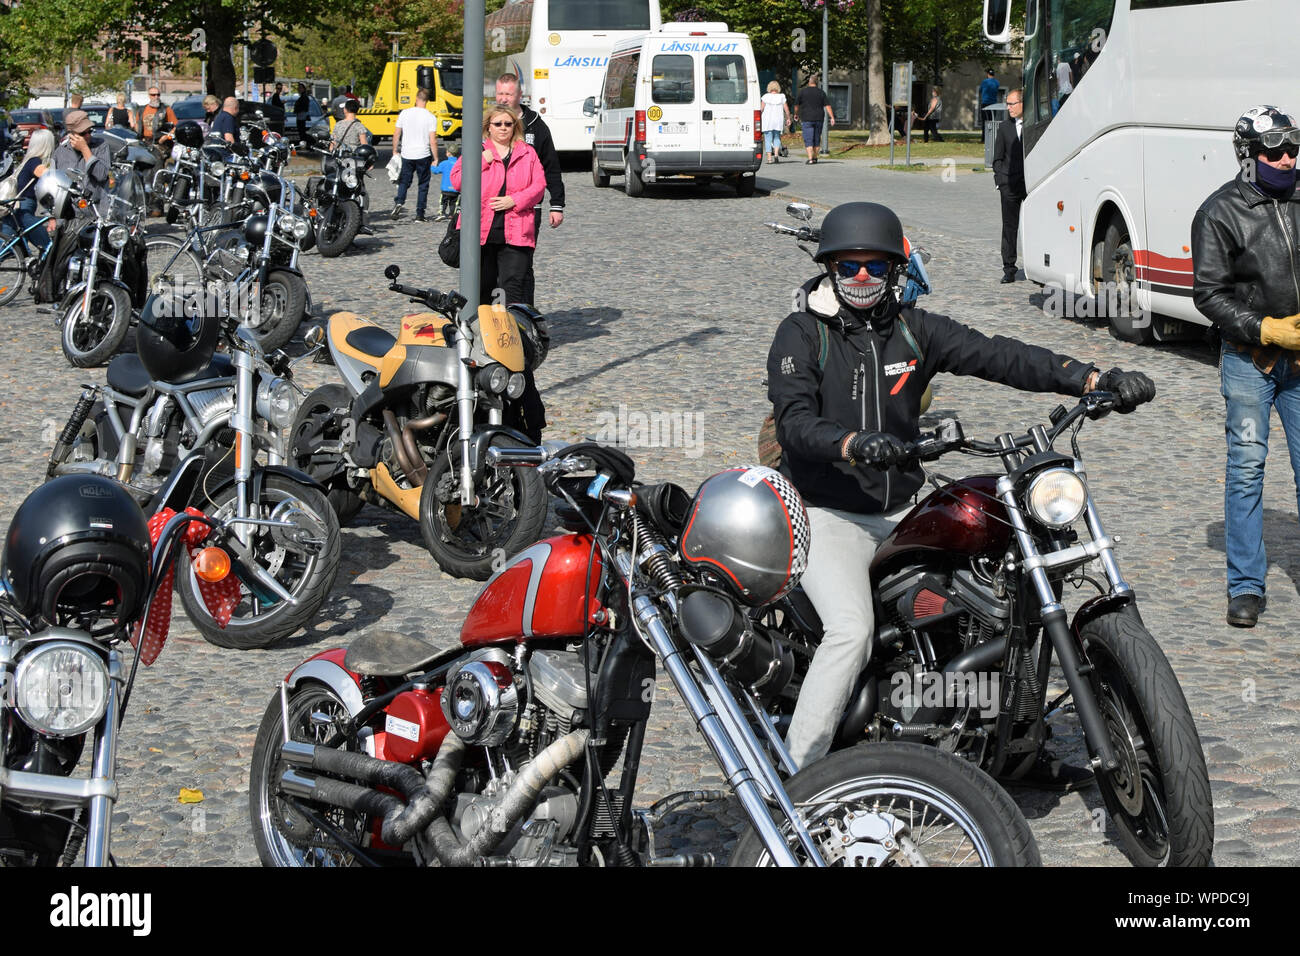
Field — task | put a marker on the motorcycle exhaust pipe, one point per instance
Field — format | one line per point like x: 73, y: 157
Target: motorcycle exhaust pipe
x: 411, y: 466
x: 981, y: 657
x: 336, y: 793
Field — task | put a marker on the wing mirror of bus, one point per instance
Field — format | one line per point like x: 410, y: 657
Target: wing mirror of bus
x: 997, y: 20
x: 589, y: 106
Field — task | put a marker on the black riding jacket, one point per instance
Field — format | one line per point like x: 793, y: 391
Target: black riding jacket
x: 538, y: 135
x: 871, y: 380
x: 1246, y: 259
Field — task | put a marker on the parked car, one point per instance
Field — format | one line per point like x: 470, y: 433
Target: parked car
x: 98, y: 113
x: 191, y: 108
x: 27, y: 121
x: 317, y: 133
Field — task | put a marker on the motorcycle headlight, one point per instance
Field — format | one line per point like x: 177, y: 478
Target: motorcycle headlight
x: 62, y: 689
x: 117, y: 237
x: 349, y: 176
x: 1057, y: 497
x: 494, y: 379
x: 516, y: 386
x: 217, y: 168
x: 301, y: 228
x: 277, y: 402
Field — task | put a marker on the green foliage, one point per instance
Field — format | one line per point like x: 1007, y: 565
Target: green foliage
x: 38, y: 36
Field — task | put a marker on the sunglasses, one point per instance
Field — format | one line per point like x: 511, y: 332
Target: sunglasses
x: 876, y: 268
x: 509, y: 123
x: 1277, y: 152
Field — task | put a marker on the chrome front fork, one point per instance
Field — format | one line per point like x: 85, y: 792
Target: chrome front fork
x: 242, y: 422
x: 465, y: 408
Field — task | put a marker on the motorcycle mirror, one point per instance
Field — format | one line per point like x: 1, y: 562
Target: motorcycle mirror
x: 392, y: 272
x: 800, y: 210
x: 315, y: 337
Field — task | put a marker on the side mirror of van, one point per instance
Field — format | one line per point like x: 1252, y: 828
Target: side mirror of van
x: 589, y: 106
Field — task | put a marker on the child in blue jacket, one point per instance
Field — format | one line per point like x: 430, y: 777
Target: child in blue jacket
x: 449, y: 192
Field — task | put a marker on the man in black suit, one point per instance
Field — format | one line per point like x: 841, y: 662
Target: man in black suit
x: 1009, y: 177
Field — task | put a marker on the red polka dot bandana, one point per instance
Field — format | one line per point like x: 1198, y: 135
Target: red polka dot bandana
x: 220, y: 598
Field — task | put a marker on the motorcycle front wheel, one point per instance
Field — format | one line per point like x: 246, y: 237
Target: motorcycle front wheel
x: 339, y: 229
x: 1159, y: 798
x: 305, y: 562
x: 283, y: 302
x: 894, y: 804
x: 93, y: 339
x: 13, y: 271
x: 469, y: 541
x: 283, y: 834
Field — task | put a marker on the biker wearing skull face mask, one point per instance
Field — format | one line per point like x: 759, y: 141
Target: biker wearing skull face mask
x: 846, y: 374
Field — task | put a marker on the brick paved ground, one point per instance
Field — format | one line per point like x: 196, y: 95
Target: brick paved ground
x: 668, y: 304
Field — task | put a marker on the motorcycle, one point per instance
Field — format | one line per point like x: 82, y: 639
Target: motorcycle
x: 62, y: 673
x: 140, y: 431
x: 104, y: 281
x: 968, y: 593
x: 409, y: 427
x: 497, y: 752
x: 339, y: 195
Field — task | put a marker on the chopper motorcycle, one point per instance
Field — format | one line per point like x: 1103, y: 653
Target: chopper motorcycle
x: 167, y: 408
x: 968, y: 593
x: 78, y: 580
x: 409, y: 427
x: 497, y: 752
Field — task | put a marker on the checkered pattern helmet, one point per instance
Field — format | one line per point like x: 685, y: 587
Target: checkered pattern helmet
x: 748, y: 528
x: 1248, y: 136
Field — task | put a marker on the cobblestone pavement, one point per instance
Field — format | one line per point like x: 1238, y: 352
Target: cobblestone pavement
x: 668, y: 304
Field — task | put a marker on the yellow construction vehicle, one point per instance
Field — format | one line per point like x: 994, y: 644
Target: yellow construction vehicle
x: 442, y: 75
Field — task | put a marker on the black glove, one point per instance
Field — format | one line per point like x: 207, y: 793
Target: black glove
x: 874, y: 448
x: 1131, y: 388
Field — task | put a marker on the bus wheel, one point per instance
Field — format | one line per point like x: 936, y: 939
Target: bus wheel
x: 1115, y: 288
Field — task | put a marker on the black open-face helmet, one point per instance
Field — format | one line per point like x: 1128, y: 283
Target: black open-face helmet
x: 77, y: 553
x: 189, y: 134
x: 1262, y: 128
x: 178, y: 333
x: 861, y: 227
x: 366, y: 155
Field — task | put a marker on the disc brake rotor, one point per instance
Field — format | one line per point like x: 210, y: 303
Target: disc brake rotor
x: 307, y: 536
x: 1126, y: 779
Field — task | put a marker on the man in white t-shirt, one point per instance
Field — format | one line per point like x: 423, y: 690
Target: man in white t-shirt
x: 415, y: 139
x: 1064, y: 82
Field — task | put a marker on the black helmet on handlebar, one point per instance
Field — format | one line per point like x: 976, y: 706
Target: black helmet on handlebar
x: 178, y: 334
x: 189, y: 134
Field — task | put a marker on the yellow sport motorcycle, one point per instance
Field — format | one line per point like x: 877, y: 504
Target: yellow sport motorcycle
x: 410, y: 426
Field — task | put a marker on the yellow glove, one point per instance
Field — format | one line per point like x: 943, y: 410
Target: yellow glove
x: 1284, y: 332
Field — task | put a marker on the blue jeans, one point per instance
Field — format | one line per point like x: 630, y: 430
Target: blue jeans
x: 420, y: 169
x: 1249, y: 395
x: 772, y: 141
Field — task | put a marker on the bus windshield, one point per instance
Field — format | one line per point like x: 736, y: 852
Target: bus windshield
x: 1062, y: 40
x: 598, y: 14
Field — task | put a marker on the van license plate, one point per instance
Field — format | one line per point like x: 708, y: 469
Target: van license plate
x: 669, y: 129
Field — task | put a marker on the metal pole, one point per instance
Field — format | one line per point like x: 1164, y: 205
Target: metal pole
x: 471, y: 153
x: 246, y: 96
x: 909, y: 113
x: 826, y: 84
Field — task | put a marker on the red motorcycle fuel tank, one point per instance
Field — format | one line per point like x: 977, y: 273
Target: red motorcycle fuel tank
x: 543, y: 592
x: 963, y: 518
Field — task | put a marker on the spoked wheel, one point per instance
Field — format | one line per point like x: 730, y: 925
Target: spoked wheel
x: 304, y: 559
x: 896, y: 804
x: 1159, y: 797
x: 13, y: 272
x: 466, y: 541
x: 172, y: 267
x: 94, y: 338
x: 284, y: 835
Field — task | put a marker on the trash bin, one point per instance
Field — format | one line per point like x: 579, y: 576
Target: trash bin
x: 999, y: 112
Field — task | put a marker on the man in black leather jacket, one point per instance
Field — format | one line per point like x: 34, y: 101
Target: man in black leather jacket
x: 845, y: 384
x: 1246, y: 259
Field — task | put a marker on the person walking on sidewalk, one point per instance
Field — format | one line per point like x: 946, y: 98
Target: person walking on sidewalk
x: 415, y: 139
x: 776, y: 119
x: 812, y: 105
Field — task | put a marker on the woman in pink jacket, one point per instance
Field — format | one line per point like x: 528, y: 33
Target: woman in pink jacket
x: 513, y: 183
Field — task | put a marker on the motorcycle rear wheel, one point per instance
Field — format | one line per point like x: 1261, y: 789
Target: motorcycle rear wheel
x: 340, y: 228
x: 284, y: 836
x: 308, y: 577
x: 94, y: 339
x: 955, y: 814
x: 1159, y: 799
x: 467, y: 542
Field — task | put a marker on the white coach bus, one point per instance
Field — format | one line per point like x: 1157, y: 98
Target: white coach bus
x: 1117, y: 170
x: 559, y: 49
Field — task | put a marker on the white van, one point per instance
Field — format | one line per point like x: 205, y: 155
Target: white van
x: 680, y: 103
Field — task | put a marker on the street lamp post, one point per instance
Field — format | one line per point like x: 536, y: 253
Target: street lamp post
x: 826, y: 83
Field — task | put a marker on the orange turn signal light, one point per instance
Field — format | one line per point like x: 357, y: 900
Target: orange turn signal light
x: 82, y: 204
x: 1060, y: 206
x: 212, y: 565
x: 243, y: 175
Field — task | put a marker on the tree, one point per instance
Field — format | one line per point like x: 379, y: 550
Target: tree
x: 38, y: 36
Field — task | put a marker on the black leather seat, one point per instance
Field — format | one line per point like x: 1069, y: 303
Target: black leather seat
x: 386, y: 653
x: 372, y: 340
x: 126, y: 373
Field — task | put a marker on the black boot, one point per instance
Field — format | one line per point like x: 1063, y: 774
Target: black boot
x: 1244, y: 609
